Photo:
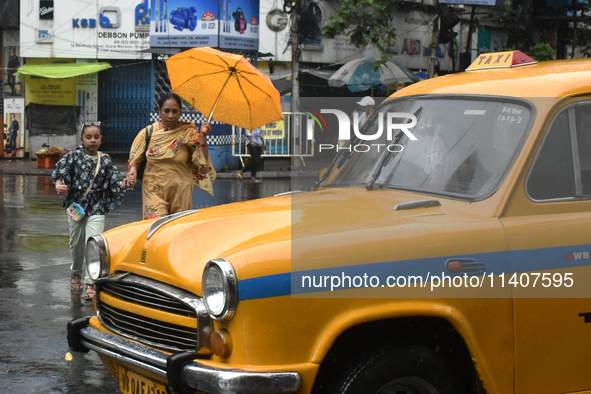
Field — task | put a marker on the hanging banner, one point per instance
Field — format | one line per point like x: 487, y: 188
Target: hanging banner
x: 183, y: 23
x: 273, y: 130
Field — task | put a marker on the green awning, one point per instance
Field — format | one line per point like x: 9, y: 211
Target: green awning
x: 61, y: 70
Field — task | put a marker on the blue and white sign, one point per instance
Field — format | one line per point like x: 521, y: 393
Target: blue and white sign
x: 183, y: 23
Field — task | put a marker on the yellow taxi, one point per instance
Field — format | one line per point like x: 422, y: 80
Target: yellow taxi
x: 445, y: 250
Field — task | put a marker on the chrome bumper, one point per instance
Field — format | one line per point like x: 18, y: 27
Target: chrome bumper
x: 180, y: 370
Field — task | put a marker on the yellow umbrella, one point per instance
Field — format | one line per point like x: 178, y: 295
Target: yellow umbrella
x: 225, y: 87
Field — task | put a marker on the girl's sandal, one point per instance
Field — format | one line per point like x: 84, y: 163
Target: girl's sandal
x: 90, y: 293
x: 76, y: 283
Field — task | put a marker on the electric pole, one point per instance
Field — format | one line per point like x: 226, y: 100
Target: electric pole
x: 295, y: 57
x: 295, y: 84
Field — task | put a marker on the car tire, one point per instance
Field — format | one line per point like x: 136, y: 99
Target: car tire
x: 408, y: 370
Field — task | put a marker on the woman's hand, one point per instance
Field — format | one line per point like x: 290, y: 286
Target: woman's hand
x: 126, y: 183
x: 131, y: 178
x: 205, y: 128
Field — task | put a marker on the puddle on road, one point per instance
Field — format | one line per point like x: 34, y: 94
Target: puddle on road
x: 35, y: 241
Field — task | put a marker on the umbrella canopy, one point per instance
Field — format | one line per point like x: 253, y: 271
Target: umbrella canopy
x: 225, y: 87
x: 359, y: 75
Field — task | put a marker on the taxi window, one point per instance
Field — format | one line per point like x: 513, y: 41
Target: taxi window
x: 464, y: 146
x: 562, y: 168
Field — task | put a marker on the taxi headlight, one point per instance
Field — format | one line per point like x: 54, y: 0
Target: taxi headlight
x: 220, y: 291
x: 97, y: 257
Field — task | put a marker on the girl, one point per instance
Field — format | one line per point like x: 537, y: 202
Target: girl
x: 91, y: 179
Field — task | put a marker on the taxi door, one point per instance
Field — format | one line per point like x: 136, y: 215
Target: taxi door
x: 548, y: 229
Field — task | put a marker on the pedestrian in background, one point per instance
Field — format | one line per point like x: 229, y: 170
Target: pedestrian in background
x: 255, y: 147
x: 366, y: 106
x: 176, y: 159
x: 91, y: 179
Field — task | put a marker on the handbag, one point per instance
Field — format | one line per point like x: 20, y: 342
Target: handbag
x: 142, y: 167
x: 75, y: 210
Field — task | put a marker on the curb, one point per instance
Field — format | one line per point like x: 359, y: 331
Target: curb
x: 220, y: 175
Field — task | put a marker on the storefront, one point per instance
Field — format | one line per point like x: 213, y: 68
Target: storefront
x: 59, y: 95
x: 134, y: 38
x: 64, y: 48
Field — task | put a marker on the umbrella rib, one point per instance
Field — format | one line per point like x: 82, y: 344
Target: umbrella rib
x: 253, y: 84
x: 218, y: 98
x: 200, y: 76
x: 247, y: 102
x: 205, y: 61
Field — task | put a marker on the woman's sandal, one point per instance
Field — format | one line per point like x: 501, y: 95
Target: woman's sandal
x: 90, y: 293
x: 76, y: 283
x: 239, y: 175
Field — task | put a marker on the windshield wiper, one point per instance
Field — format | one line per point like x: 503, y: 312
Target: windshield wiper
x: 338, y: 162
x: 388, y: 155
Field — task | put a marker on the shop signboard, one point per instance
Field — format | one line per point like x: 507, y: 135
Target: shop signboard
x: 98, y: 29
x: 50, y: 91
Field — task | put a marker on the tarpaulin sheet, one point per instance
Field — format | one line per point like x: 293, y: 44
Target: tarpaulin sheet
x: 52, y: 119
x: 61, y: 70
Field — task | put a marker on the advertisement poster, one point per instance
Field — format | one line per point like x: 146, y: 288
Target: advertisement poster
x: 14, y: 135
x: 51, y: 91
x: 13, y: 86
x: 239, y: 24
x: 183, y: 23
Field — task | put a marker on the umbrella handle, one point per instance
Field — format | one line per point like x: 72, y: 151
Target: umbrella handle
x: 211, y: 114
x: 217, y: 100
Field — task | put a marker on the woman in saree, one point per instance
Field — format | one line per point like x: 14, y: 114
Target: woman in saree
x: 177, y: 158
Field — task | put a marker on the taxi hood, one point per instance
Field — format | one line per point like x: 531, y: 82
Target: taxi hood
x: 262, y: 237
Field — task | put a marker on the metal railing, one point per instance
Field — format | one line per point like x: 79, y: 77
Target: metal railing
x: 293, y: 138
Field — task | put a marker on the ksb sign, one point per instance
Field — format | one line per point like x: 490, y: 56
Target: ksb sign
x: 109, y: 17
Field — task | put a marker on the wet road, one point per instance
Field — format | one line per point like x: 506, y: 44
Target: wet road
x: 35, y: 298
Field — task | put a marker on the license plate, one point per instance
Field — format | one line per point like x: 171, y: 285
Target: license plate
x: 132, y: 383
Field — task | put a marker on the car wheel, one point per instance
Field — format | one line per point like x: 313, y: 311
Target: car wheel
x: 401, y: 370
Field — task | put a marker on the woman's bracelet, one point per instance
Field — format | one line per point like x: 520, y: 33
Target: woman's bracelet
x: 204, y: 145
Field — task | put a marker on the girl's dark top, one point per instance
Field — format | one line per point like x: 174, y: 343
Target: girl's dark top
x: 76, y: 169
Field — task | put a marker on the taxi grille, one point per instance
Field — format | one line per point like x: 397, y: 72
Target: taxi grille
x: 146, y: 297
x: 154, y: 332
x: 143, y: 295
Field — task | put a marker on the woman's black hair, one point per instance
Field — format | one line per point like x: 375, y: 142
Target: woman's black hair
x: 165, y: 97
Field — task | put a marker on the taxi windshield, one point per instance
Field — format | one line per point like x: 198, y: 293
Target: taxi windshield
x: 459, y: 147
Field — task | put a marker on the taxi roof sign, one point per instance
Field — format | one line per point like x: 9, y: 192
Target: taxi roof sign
x: 505, y: 59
